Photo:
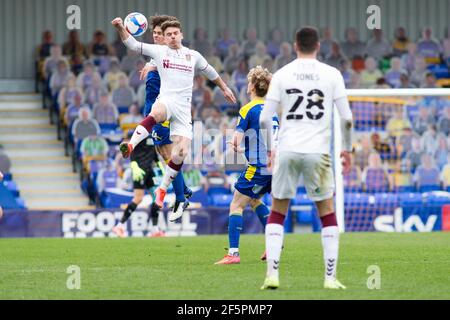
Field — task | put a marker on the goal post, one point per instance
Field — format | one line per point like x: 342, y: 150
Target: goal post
x: 389, y: 100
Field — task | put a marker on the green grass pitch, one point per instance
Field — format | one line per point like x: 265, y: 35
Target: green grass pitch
x: 413, y: 266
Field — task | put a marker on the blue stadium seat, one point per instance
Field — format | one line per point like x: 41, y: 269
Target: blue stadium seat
x: 410, y: 199
x: 304, y: 217
x: 301, y: 199
x: 423, y: 189
x: 386, y: 199
x: 405, y: 189
x: 440, y: 71
x: 221, y: 200
x: 358, y: 200
x: 113, y: 200
x: 303, y: 209
x: 218, y: 190
x: 21, y: 203
x: 123, y: 109
x: 108, y: 126
x: 13, y: 188
x: 353, y: 189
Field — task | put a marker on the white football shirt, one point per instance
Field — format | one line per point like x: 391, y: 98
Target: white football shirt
x: 176, y: 68
x: 306, y: 89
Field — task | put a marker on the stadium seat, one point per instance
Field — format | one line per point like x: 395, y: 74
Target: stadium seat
x: 302, y: 199
x: 405, y: 189
x: 108, y: 126
x: 221, y: 200
x: 410, y: 199
x: 13, y: 188
x: 440, y: 71
x: 123, y: 109
x: 21, y: 203
x: 356, y: 200
x: 114, y: 200
x: 218, y: 190
x: 7, y: 199
x: 304, y: 211
x: 386, y: 199
x: 304, y: 217
x: 353, y: 189
x: 423, y: 189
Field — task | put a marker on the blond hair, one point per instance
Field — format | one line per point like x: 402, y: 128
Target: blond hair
x: 260, y: 79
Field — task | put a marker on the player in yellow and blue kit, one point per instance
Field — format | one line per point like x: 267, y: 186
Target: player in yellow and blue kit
x: 161, y: 132
x: 255, y: 181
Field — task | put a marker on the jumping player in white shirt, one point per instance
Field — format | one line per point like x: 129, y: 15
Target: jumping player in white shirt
x: 307, y: 90
x: 176, y: 65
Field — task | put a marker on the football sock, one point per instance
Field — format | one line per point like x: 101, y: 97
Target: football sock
x: 154, y: 214
x: 234, y: 232
x: 330, y: 244
x: 262, y: 211
x: 170, y: 174
x: 141, y: 133
x: 178, y: 187
x: 128, y: 211
x: 274, y: 242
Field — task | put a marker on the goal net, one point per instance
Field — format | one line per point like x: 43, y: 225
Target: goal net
x: 401, y: 168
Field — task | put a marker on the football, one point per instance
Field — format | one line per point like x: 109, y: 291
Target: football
x: 136, y: 24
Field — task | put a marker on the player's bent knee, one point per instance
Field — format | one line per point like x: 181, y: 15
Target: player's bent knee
x: 254, y: 203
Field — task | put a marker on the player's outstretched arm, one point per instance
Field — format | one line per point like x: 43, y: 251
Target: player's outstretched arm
x: 118, y: 24
x: 227, y: 92
x: 131, y: 43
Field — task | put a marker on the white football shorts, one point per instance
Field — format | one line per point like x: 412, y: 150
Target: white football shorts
x: 179, y: 115
x: 317, y: 174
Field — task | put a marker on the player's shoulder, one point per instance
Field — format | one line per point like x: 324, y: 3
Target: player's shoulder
x: 285, y: 69
x: 250, y: 108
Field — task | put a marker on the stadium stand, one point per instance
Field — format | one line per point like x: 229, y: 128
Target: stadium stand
x: 400, y: 144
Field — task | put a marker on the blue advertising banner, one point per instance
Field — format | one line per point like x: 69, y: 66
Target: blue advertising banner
x: 404, y: 212
x: 98, y: 223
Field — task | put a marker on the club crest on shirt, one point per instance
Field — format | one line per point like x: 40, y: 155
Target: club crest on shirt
x: 188, y: 57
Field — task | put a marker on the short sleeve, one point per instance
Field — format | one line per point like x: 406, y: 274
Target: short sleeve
x: 200, y: 62
x: 243, y: 121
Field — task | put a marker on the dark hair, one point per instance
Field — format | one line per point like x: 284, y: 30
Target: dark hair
x: 157, y: 21
x: 307, y: 39
x: 171, y: 24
